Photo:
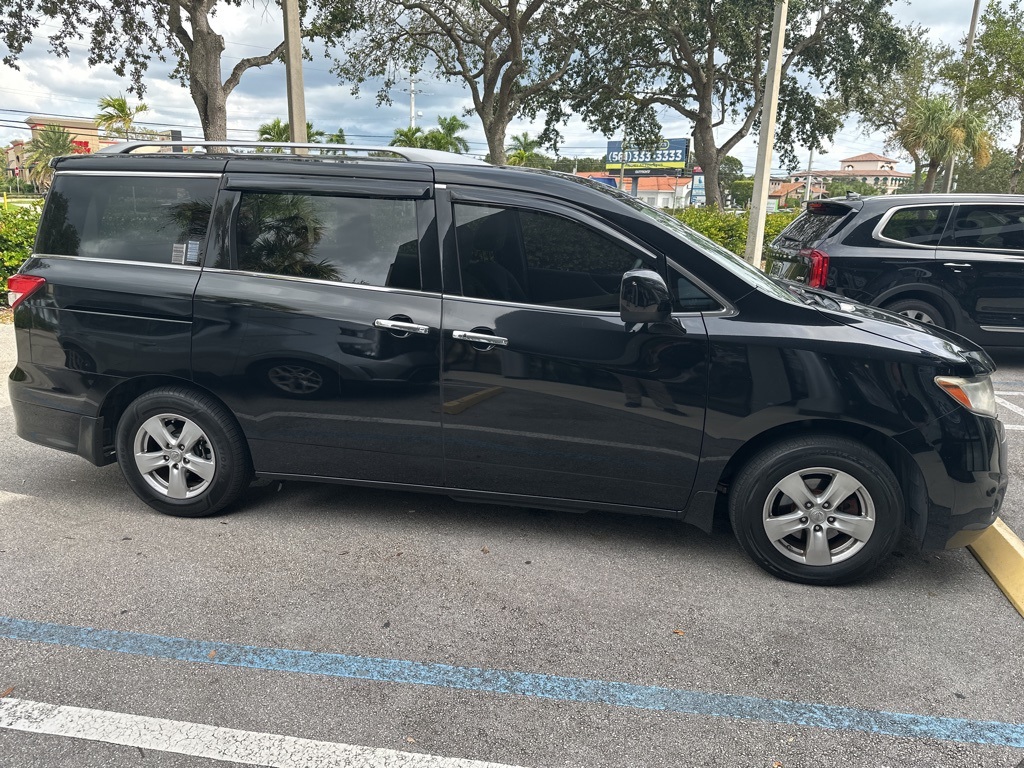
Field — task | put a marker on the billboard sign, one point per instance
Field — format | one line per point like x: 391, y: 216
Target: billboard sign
x: 697, y: 191
x: 668, y: 154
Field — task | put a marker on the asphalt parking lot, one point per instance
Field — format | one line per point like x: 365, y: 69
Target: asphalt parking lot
x: 424, y: 626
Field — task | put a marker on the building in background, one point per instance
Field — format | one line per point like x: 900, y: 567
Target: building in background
x: 85, y: 135
x: 659, y: 191
x: 877, y: 170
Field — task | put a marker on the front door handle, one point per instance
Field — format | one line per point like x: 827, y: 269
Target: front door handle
x: 480, y: 338
x: 955, y: 264
x: 401, y: 326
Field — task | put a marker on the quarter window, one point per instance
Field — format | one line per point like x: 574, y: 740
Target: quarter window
x: 917, y: 226
x: 345, y: 239
x: 160, y: 220
x: 988, y: 226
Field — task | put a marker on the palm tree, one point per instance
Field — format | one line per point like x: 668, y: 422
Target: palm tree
x: 408, y: 137
x: 117, y: 118
x: 337, y: 137
x: 52, y: 141
x: 278, y: 130
x: 523, y: 150
x: 446, y: 136
x: 937, y: 129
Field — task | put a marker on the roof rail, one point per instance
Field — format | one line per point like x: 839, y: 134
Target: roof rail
x: 412, y: 154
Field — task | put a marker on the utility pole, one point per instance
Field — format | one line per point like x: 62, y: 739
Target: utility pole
x: 808, y: 179
x: 412, y: 99
x: 769, y: 113
x: 293, y: 73
x: 967, y: 79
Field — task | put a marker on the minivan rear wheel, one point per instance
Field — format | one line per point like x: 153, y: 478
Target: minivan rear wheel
x: 817, y: 509
x: 918, y: 310
x: 182, y: 452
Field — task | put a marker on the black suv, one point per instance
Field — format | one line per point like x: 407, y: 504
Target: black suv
x: 950, y: 260
x: 495, y: 334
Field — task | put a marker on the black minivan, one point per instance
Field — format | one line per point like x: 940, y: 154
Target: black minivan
x: 405, y: 318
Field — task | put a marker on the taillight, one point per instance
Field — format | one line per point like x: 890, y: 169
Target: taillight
x: 819, y: 267
x: 20, y: 287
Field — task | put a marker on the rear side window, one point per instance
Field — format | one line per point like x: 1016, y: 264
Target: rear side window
x: 159, y: 220
x: 324, y: 237
x: 917, y: 226
x: 988, y: 226
x: 813, y: 225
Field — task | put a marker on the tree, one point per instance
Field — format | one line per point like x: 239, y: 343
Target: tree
x: 998, y: 69
x: 523, y: 151
x: 742, y: 191
x: 50, y: 142
x: 729, y: 171
x: 706, y: 61
x: 412, y: 136
x: 924, y: 73
x: 129, y: 34
x: 994, y: 177
x: 839, y: 187
x: 936, y: 129
x: 117, y: 117
x: 338, y: 137
x: 277, y: 130
x: 507, y: 54
x: 446, y: 136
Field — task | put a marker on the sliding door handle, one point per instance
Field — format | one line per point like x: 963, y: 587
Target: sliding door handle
x: 480, y: 338
x: 402, y: 326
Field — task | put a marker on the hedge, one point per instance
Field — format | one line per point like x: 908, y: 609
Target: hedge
x: 18, y: 225
x: 730, y: 229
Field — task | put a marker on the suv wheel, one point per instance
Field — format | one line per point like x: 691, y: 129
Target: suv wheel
x: 918, y: 310
x: 182, y: 453
x: 817, y: 509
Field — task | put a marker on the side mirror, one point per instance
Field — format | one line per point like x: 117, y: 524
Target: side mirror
x: 644, y: 297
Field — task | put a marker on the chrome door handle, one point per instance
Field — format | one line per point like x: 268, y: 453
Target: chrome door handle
x: 954, y: 264
x: 480, y: 338
x: 402, y: 327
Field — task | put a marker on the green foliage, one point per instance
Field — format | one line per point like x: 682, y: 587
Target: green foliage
x: 994, y: 177
x: 52, y: 141
x: 446, y: 136
x: 18, y: 225
x: 742, y: 191
x: 730, y: 229
x: 839, y: 188
x: 117, y: 117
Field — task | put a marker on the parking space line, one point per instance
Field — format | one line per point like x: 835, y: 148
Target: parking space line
x: 628, y: 695
x: 1010, y: 406
x: 209, y: 741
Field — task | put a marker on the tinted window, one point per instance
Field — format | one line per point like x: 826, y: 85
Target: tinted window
x: 813, y: 225
x: 155, y: 219
x: 536, y: 258
x: 918, y: 226
x: 988, y: 226
x: 347, y: 239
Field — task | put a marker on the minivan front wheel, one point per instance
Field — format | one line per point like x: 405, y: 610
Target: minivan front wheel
x: 817, y: 509
x: 182, y: 452
x: 918, y: 310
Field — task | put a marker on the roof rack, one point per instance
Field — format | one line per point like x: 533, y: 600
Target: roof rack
x: 412, y: 154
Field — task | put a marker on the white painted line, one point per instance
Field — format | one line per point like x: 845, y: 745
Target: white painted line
x: 1012, y: 394
x: 1010, y: 406
x: 1014, y: 427
x: 209, y: 741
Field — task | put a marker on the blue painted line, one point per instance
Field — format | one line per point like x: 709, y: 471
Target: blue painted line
x: 522, y: 683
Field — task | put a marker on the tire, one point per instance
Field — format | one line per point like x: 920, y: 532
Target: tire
x: 182, y: 452
x: 837, y: 540
x: 919, y: 310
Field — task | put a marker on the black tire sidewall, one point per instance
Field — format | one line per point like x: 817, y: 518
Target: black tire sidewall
x: 750, y: 492
x: 230, y: 463
x: 928, y: 308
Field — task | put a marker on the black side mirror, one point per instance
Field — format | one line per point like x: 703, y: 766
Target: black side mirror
x: 644, y: 297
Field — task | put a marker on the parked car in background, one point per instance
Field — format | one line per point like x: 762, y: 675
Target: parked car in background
x: 956, y: 261
x: 411, y: 319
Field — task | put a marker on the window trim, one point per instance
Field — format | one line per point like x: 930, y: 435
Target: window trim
x: 876, y: 233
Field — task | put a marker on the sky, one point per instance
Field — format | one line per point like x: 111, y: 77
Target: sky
x: 46, y: 85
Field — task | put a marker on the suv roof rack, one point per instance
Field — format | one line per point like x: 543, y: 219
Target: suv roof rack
x: 412, y: 154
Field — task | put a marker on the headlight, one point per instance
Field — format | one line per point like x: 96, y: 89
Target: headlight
x: 976, y: 394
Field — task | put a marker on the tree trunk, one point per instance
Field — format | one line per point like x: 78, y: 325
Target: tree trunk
x: 1018, y: 161
x: 929, y: 179
x: 705, y: 154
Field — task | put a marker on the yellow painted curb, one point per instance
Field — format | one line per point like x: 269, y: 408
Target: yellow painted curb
x: 458, y: 406
x: 1001, y: 553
